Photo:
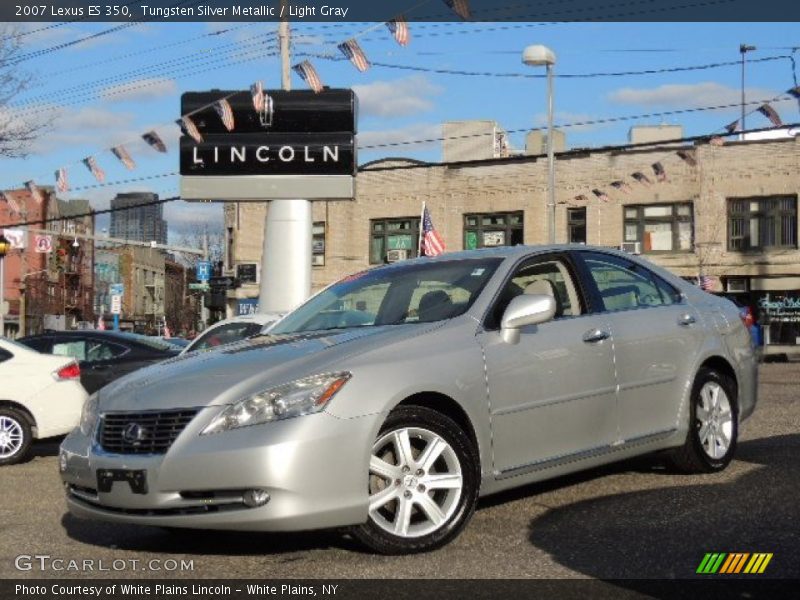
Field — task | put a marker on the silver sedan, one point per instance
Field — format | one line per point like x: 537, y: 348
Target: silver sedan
x: 393, y: 399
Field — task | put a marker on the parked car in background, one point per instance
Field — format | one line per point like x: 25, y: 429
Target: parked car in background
x: 103, y: 355
x: 40, y: 397
x: 461, y: 375
x: 231, y: 330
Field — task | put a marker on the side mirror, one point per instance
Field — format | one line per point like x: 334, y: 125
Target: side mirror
x: 528, y: 309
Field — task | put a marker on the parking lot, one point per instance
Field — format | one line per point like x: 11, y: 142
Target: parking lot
x: 633, y: 520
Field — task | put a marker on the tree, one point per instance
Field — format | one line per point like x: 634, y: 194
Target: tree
x: 17, y: 131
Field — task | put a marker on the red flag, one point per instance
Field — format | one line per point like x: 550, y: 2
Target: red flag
x: 432, y: 242
x: 308, y: 73
x: 354, y: 54
x: 398, y: 27
x: 95, y: 169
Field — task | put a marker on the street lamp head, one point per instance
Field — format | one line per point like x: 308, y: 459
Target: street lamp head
x: 538, y: 56
x: 743, y: 48
x: 5, y: 245
x: 75, y: 243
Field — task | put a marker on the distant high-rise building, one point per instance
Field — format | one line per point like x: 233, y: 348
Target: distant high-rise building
x: 138, y: 223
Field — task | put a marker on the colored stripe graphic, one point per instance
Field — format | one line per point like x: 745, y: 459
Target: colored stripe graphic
x: 724, y: 563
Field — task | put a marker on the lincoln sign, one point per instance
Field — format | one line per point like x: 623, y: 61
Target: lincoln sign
x: 302, y: 146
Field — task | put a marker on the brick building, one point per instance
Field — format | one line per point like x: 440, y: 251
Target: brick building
x: 732, y: 216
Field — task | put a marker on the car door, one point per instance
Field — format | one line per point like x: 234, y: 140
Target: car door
x: 552, y: 395
x: 656, y: 338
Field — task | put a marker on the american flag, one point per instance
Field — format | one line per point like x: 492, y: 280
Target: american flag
x: 398, y: 27
x: 95, y: 169
x: 155, y: 141
x: 354, y: 54
x: 794, y: 92
x: 716, y: 140
x: 581, y: 198
x: 9, y: 198
x: 122, y: 154
x: 308, y: 73
x: 601, y: 195
x: 460, y: 7
x: 621, y: 186
x: 101, y: 324
x: 225, y: 112
x: 642, y: 178
x: 658, y: 169
x: 167, y: 332
x: 771, y: 114
x: 706, y: 282
x: 257, y: 92
x: 732, y: 127
x: 61, y: 180
x: 688, y: 156
x: 35, y: 191
x: 432, y: 243
x: 189, y: 128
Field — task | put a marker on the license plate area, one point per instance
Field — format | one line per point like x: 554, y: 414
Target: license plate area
x: 137, y: 479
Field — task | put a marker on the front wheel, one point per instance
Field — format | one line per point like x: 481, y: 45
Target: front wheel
x: 15, y: 436
x: 713, y: 425
x: 423, y: 483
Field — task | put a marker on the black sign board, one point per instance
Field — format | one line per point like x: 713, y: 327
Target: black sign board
x: 270, y: 154
x: 227, y: 283
x: 300, y: 111
x: 247, y: 273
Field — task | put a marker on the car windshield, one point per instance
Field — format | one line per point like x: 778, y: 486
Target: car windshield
x: 419, y: 292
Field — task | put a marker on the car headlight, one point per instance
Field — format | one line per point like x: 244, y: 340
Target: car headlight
x: 89, y: 415
x: 300, y: 397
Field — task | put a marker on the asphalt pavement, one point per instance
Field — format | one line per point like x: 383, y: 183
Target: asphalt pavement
x: 631, y: 520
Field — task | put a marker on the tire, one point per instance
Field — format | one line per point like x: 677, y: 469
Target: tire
x: 713, y: 425
x: 419, y: 503
x: 15, y: 436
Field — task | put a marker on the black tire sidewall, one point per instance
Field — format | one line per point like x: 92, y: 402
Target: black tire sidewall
x: 27, y: 436
x: 705, y: 376
x: 424, y: 418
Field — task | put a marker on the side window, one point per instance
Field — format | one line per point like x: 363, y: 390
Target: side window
x: 624, y: 285
x: 540, y: 277
x: 76, y: 349
x: 225, y: 334
x: 97, y: 351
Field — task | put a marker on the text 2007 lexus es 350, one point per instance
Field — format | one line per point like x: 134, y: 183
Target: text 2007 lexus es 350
x: 394, y: 398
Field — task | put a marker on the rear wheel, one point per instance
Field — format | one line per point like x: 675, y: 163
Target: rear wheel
x: 713, y: 426
x: 423, y: 483
x: 15, y: 436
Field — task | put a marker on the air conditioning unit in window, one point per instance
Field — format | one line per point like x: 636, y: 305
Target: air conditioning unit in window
x: 395, y: 255
x: 631, y: 247
x: 736, y: 284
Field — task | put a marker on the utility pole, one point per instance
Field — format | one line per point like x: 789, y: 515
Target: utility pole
x: 283, y: 36
x: 203, y: 316
x: 743, y: 50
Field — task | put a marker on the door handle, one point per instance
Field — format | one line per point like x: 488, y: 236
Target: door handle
x: 687, y: 320
x: 595, y: 335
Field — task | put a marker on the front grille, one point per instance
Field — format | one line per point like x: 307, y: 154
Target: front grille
x: 150, y: 432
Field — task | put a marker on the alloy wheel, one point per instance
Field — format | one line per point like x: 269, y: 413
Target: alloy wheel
x: 11, y: 437
x: 415, y: 484
x: 714, y: 420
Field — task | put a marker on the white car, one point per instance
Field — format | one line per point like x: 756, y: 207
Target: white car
x: 41, y: 396
x: 232, y: 330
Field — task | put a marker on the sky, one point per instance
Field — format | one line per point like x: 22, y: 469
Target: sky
x: 108, y: 90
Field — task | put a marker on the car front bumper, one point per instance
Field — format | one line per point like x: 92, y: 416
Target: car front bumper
x: 314, y: 469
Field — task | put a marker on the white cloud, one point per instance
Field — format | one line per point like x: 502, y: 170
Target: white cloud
x: 397, y: 98
x: 707, y: 93
x: 140, y: 89
x: 420, y: 131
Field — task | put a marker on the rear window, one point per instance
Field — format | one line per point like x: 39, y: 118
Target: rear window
x: 226, y: 334
x: 151, y: 342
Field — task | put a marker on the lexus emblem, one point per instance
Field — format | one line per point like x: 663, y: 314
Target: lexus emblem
x: 133, y: 433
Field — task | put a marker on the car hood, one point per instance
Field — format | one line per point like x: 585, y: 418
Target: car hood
x: 232, y: 372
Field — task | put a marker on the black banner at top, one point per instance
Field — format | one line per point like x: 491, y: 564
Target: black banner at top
x: 372, y: 11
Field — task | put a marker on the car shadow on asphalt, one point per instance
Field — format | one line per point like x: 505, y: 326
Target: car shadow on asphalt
x: 664, y: 533
x: 159, y: 540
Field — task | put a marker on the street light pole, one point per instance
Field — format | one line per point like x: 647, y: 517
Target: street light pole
x: 538, y: 55
x: 5, y: 246
x: 743, y: 50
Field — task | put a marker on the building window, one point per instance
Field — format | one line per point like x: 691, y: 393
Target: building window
x: 386, y: 235
x: 492, y: 229
x: 760, y: 223
x: 660, y: 227
x: 318, y: 244
x: 576, y: 225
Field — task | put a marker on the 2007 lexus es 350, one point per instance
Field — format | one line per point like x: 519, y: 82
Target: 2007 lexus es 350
x: 394, y: 398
